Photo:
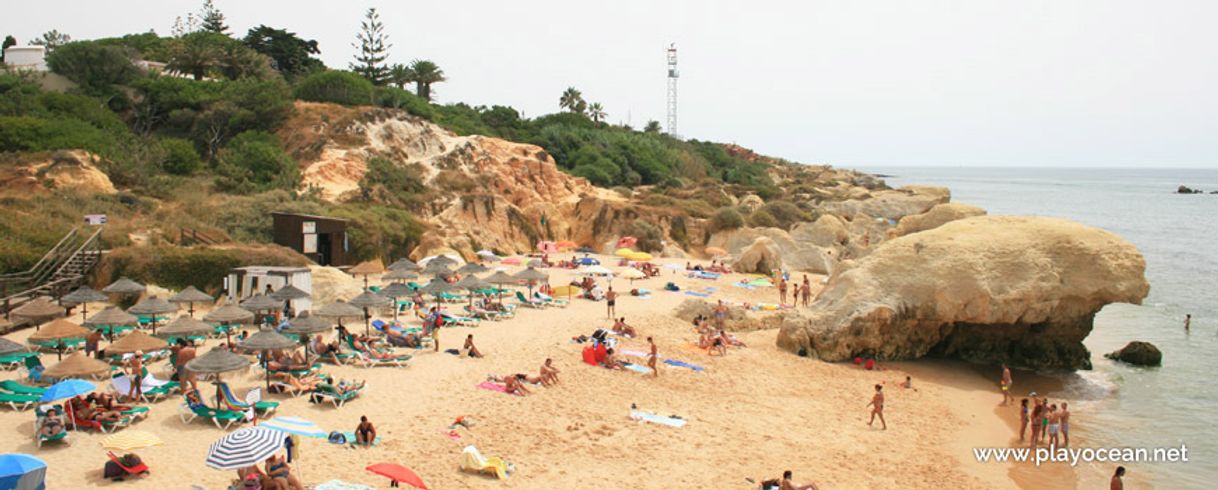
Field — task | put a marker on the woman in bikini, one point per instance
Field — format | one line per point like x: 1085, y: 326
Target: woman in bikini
x: 279, y: 471
x: 877, y: 404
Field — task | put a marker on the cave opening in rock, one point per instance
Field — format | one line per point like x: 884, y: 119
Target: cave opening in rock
x: 1041, y: 346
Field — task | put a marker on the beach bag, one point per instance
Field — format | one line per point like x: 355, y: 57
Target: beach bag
x: 671, y: 287
x: 337, y: 437
x: 113, y: 471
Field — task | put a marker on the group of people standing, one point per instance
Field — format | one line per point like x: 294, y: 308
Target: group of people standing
x: 1050, y: 424
x: 802, y: 294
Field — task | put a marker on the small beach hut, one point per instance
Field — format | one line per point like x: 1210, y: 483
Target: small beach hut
x: 191, y: 295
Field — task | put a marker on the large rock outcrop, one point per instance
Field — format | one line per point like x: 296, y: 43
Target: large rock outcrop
x: 1018, y: 289
x: 892, y: 205
x: 936, y: 217
x: 1138, y: 353
x: 74, y: 170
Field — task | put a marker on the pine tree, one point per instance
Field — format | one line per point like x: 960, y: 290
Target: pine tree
x: 373, y: 49
x: 213, y: 20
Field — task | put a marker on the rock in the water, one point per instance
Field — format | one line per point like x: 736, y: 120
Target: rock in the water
x: 762, y: 257
x: 1187, y: 190
x: 936, y: 217
x: 1138, y: 353
x: 1017, y: 289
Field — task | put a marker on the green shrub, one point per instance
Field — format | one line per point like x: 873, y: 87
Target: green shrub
x: 763, y: 219
x: 649, y: 236
x: 726, y: 218
x: 785, y: 213
x: 178, y: 267
x: 337, y: 86
x: 254, y: 161
x: 379, y: 231
x: 396, y: 98
x: 95, y: 67
x: 181, y: 158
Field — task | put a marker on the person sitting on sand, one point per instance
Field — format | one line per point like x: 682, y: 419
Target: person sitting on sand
x: 908, y: 384
x: 611, y: 361
x: 549, y: 373
x: 259, y: 479
x: 52, y: 425
x: 730, y: 339
x: 787, y: 484
x: 877, y: 404
x: 621, y: 328
x: 514, y: 385
x: 470, y: 349
x: 277, y: 468
x: 713, y: 344
x: 365, y: 432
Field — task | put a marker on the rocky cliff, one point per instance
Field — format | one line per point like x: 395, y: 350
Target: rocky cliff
x: 1016, y: 289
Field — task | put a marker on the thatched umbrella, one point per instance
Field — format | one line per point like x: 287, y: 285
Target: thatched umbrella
x: 9, y: 347
x: 435, y: 287
x: 136, y: 341
x: 83, y: 296
x: 307, y: 324
x: 77, y: 365
x: 185, y: 326
x: 338, y: 310
x: 59, y: 329
x: 499, y: 278
x: 472, y: 268
x: 217, y: 361
x: 266, y: 341
x: 404, y: 264
x: 442, y: 259
x: 259, y: 303
x: 124, y: 287
x: 532, y: 276
x: 436, y: 267
x: 190, y: 296
x: 367, y: 300
x: 109, y: 318
x: 395, y: 291
x: 289, y: 293
x: 153, y: 306
x: 38, y: 311
x: 367, y: 268
x: 227, y: 315
x: 400, y: 275
x: 471, y: 283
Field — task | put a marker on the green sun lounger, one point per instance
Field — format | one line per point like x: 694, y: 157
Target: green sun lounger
x: 19, y: 402
x: 327, y: 392
x: 53, y: 345
x: 223, y: 419
x: 20, y: 389
x: 15, y: 360
x: 155, y: 394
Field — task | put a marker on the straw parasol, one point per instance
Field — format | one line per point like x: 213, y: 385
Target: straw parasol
x: 217, y: 361
x: 83, y: 296
x: 289, y: 292
x: 435, y: 287
x: 404, y: 264
x: 109, y: 318
x: 38, y: 311
x: 400, y: 275
x: 9, y: 347
x: 632, y: 274
x: 305, y: 324
x: 437, y: 267
x: 59, y: 329
x: 367, y: 268
x: 185, y: 326
x: 260, y: 302
x: 227, y: 315
x: 152, y: 306
x: 499, y: 278
x: 532, y: 276
x: 471, y: 283
x: 124, y: 286
x: 77, y: 365
x: 338, y: 310
x: 265, y: 341
x: 393, y: 292
x: 190, y: 296
x: 366, y: 300
x: 135, y: 341
x: 472, y: 268
x: 443, y: 260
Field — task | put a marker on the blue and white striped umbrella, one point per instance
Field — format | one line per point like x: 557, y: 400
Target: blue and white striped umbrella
x: 244, y: 448
x: 295, y: 426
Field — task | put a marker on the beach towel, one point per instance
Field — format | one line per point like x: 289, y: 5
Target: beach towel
x: 637, y: 368
x: 674, y: 362
x: 698, y: 294
x: 657, y: 419
x: 342, y: 485
x: 122, y: 384
x: 350, y: 436
x: 635, y: 353
x: 487, y: 385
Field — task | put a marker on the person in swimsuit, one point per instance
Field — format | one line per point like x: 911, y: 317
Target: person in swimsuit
x: 514, y: 385
x: 782, y: 291
x: 469, y: 347
x: 720, y: 314
x: 51, y: 424
x: 787, y: 484
x: 1064, y: 416
x: 1037, y: 409
x: 277, y: 468
x: 651, y: 358
x: 365, y: 432
x: 136, y: 374
x: 1005, y: 384
x: 1044, y: 419
x: 611, y: 361
x: 1188, y: 320
x: 621, y: 328
x: 717, y: 345
x: 1117, y: 483
x: 611, y: 302
x: 1023, y: 418
x: 877, y: 404
x: 549, y: 373
x: 1054, y: 425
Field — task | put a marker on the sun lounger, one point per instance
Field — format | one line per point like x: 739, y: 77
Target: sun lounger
x: 69, y: 345
x: 327, y: 392
x: 97, y: 425
x: 39, y: 438
x: 136, y: 470
x: 397, y: 360
x: 222, y: 418
x: 464, y: 321
x: 525, y: 301
x: 18, y: 402
x: 15, y: 360
x: 17, y: 388
x: 253, y: 399
x: 550, y: 301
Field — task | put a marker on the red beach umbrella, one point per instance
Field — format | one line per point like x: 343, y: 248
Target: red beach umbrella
x: 398, y: 473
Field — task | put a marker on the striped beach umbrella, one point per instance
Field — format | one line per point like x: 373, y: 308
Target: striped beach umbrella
x: 128, y: 440
x: 295, y: 426
x: 244, y: 448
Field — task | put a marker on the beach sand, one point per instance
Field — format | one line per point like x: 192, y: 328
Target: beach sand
x: 751, y: 415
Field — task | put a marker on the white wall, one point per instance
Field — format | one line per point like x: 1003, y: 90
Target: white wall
x: 26, y: 57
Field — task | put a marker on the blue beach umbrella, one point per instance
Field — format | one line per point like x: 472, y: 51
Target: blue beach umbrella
x: 22, y: 472
x: 587, y: 261
x: 67, y: 388
x: 295, y: 426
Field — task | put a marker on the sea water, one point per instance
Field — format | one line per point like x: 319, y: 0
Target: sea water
x: 1116, y: 405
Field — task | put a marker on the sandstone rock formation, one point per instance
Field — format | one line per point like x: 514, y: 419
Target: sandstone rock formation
x: 937, y: 216
x: 762, y: 257
x: 826, y: 231
x: 1017, y: 289
x: 893, y: 204
x: 738, y: 320
x: 74, y: 170
x: 1138, y: 353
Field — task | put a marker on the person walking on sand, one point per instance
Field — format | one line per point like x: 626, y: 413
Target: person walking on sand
x: 136, y: 375
x: 1064, y: 418
x: 1006, y: 385
x: 1117, y: 482
x: 1023, y: 418
x: 782, y: 291
x: 611, y: 302
x: 877, y: 404
x: 651, y: 358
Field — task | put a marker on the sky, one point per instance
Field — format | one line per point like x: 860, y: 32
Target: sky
x: 1103, y: 83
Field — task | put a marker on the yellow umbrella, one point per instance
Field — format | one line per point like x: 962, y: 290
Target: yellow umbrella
x: 128, y: 440
x: 640, y: 256
x: 624, y: 252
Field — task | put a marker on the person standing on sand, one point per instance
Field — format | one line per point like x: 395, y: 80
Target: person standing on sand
x: 611, y: 302
x: 877, y: 404
x: 136, y: 375
x: 782, y: 291
x: 1117, y: 482
x: 1023, y: 418
x: 1006, y: 385
x: 1054, y: 426
x: 720, y: 314
x: 805, y: 292
x: 1064, y: 418
x: 1037, y: 409
x: 651, y: 358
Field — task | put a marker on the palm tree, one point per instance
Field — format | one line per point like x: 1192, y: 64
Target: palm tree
x: 597, y: 112
x: 652, y: 127
x: 424, y: 74
x: 572, y: 100
x: 400, y: 75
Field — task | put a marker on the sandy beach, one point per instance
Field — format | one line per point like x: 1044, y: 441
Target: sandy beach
x: 751, y: 414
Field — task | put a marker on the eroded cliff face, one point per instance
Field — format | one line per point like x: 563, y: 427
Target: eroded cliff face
x: 43, y: 173
x: 986, y: 289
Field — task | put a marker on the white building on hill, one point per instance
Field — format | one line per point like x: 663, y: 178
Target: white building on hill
x: 26, y: 58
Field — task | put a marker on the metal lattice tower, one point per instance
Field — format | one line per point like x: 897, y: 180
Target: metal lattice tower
x: 673, y: 75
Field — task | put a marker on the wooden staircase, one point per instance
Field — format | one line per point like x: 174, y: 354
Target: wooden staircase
x: 63, y: 268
